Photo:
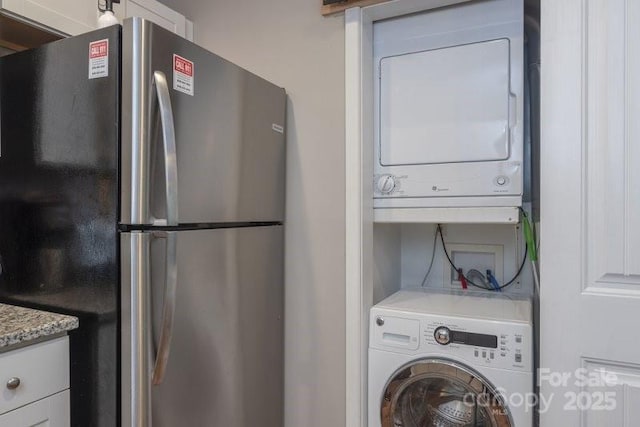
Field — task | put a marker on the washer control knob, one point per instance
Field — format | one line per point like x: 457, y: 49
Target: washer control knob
x: 442, y: 335
x: 386, y: 184
x: 380, y: 321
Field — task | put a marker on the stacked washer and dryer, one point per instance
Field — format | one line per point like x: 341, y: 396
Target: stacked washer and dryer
x: 449, y: 133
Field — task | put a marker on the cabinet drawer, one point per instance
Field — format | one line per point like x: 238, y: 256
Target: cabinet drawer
x: 43, y: 370
x: 50, y: 412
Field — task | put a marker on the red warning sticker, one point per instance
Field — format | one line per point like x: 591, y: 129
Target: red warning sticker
x: 99, y: 59
x: 183, y: 75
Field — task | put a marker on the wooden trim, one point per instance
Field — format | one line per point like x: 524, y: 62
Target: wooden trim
x: 12, y: 46
x: 333, y: 9
x: 20, y: 35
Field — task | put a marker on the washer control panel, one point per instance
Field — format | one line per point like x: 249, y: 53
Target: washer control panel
x: 506, y: 348
x: 491, y: 330
x: 489, y: 343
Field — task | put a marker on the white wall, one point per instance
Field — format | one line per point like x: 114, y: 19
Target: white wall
x: 289, y: 43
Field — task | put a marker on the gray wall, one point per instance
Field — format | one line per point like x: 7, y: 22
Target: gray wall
x: 289, y: 43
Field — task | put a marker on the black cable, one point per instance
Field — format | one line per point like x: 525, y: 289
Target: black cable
x: 433, y: 255
x: 524, y: 260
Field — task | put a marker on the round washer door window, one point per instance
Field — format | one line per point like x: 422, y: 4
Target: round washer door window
x: 442, y: 393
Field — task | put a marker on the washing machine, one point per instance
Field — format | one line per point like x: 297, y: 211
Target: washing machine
x: 451, y: 359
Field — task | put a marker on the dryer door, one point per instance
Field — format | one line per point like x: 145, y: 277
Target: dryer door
x: 447, y: 105
x: 442, y: 393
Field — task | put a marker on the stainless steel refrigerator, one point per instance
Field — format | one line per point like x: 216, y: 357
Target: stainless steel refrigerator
x: 142, y: 190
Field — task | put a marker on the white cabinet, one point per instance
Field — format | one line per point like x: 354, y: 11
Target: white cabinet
x: 52, y: 411
x: 65, y: 16
x: 73, y: 17
x: 35, y: 385
x: 155, y: 12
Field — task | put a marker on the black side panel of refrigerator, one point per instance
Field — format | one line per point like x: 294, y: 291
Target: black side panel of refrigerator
x: 59, y: 202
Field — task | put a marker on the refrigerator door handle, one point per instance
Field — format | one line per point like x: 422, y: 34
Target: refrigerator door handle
x: 171, y: 188
x: 169, y: 146
x: 168, y: 308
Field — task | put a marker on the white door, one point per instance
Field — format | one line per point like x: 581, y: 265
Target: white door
x: 590, y: 222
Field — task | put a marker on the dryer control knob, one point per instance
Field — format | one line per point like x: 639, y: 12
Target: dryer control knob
x: 442, y: 335
x: 386, y: 184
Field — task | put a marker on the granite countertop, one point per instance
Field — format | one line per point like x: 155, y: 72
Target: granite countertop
x: 20, y: 324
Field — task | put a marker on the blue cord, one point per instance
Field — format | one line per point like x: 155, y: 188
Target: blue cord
x: 493, y: 281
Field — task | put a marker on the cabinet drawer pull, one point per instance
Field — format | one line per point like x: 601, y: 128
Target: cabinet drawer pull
x: 13, y: 383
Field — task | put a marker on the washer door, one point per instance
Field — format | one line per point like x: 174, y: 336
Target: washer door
x: 442, y: 393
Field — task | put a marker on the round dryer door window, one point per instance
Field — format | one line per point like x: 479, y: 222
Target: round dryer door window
x: 442, y: 393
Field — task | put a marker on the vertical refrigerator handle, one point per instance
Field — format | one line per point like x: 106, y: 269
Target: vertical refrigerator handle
x: 171, y: 262
x: 168, y: 309
x: 169, y: 146
x: 138, y: 326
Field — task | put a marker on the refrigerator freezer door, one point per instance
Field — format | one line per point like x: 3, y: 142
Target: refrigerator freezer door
x: 225, y: 365
x: 229, y: 134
